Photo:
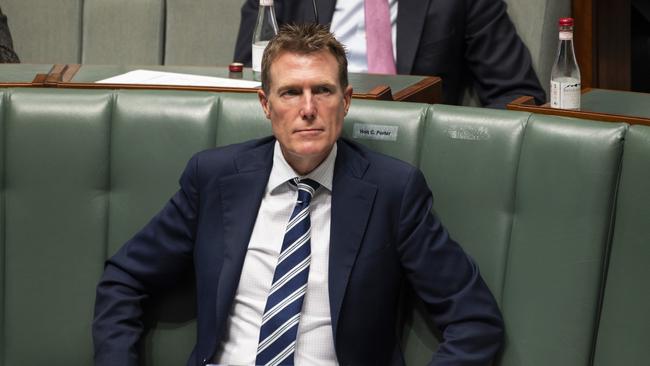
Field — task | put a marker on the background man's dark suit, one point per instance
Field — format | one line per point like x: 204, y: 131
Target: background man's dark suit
x: 382, y: 232
x: 469, y: 42
x: 7, y: 54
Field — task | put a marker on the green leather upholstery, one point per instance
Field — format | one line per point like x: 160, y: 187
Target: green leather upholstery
x: 123, y: 32
x: 45, y: 31
x: 538, y: 201
x: 201, y: 34
x: 625, y: 319
x: 56, y: 171
x: 142, y: 32
x: 564, y: 203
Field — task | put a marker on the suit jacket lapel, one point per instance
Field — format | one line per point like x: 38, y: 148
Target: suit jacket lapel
x: 410, y: 20
x: 241, y: 196
x: 352, y: 200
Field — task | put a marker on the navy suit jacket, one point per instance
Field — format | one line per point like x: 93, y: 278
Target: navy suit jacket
x: 382, y: 233
x: 468, y: 42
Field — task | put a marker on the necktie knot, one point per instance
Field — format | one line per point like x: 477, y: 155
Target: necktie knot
x: 306, y: 189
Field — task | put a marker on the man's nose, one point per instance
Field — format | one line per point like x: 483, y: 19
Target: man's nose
x: 308, y: 106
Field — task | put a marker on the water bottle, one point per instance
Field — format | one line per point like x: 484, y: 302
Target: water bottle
x: 565, y: 74
x: 265, y: 28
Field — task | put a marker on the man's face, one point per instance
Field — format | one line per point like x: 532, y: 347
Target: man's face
x: 306, y: 106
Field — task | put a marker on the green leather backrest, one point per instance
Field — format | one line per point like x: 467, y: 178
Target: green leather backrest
x: 153, y: 137
x: 625, y: 319
x: 123, y: 32
x: 203, y: 33
x: 510, y: 190
x: 134, y: 32
x: 45, y: 31
x: 565, y: 191
x: 531, y: 198
x: 56, y: 196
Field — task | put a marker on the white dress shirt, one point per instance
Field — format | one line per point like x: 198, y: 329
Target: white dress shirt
x: 349, y: 28
x: 315, y: 341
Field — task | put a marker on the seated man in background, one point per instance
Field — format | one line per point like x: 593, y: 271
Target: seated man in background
x: 7, y: 54
x: 466, y: 43
x: 300, y: 242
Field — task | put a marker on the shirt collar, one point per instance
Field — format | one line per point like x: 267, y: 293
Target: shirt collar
x: 282, y: 172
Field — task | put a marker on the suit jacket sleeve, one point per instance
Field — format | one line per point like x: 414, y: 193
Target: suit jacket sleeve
x: 153, y: 259
x: 498, y: 59
x: 448, y: 282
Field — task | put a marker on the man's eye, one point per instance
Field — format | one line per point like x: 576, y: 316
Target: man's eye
x: 290, y: 93
x: 323, y: 90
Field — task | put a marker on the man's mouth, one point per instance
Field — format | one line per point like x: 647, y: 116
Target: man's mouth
x: 309, y: 131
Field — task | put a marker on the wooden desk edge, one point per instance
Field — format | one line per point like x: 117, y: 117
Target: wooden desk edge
x: 527, y: 104
x: 427, y: 90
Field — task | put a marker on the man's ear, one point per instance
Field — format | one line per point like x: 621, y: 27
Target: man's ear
x: 264, y: 101
x: 347, y: 98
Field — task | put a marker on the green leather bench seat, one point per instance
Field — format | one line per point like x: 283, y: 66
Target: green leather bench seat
x: 540, y: 202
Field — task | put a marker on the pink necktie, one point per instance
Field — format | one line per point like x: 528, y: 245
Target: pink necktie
x: 378, y: 37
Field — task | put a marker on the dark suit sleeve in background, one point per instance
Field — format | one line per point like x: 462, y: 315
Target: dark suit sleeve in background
x: 245, y: 36
x: 499, y: 61
x: 7, y: 54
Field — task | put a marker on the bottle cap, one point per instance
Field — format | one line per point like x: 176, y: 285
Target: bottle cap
x: 565, y: 22
x: 236, y: 67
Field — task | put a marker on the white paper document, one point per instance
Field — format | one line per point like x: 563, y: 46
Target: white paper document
x: 173, y: 78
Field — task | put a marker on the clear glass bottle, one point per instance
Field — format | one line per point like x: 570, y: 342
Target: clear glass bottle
x: 565, y: 74
x: 265, y: 28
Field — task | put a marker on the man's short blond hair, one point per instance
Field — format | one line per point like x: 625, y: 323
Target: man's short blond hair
x: 303, y: 39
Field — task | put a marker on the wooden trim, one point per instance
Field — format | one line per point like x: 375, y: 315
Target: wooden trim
x: 523, y: 100
x: 583, y: 13
x: 69, y: 72
x: 380, y: 92
x: 427, y: 90
x: 613, y: 26
x: 39, y: 79
x: 521, y: 104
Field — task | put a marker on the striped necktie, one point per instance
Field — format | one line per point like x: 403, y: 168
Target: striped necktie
x: 279, y: 328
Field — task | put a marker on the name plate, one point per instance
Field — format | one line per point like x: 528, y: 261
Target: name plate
x: 375, y: 132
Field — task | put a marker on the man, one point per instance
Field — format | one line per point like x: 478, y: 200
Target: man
x: 314, y: 284
x: 466, y: 43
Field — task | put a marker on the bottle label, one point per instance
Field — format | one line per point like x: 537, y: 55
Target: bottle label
x: 565, y: 93
x: 566, y: 36
x: 266, y: 2
x: 258, y: 51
